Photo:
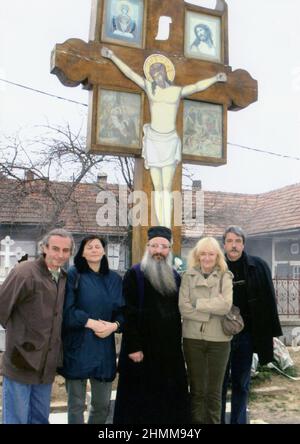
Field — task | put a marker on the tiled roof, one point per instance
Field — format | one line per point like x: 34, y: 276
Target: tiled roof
x: 266, y: 213
x: 34, y: 205
x: 277, y: 210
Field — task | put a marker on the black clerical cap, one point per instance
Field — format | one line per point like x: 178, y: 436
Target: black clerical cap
x: 160, y: 232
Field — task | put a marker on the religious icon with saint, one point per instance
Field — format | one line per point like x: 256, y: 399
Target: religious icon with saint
x: 123, y: 22
x: 202, y: 129
x: 119, y: 116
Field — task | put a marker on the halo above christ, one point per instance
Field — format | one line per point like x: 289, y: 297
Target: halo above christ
x: 159, y: 58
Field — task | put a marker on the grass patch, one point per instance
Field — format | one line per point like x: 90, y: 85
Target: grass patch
x: 291, y: 371
x: 264, y: 374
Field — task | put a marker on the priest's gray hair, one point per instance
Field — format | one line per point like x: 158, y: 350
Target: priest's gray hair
x: 160, y: 274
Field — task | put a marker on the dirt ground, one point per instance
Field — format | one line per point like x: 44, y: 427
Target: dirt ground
x: 279, y: 407
x: 59, y: 390
x: 283, y: 405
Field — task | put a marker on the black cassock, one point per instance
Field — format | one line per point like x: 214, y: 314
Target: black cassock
x: 154, y: 391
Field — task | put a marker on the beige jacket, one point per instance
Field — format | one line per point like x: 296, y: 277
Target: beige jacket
x: 202, y: 306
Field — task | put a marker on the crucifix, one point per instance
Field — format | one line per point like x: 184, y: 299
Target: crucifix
x: 132, y: 65
x: 7, y: 254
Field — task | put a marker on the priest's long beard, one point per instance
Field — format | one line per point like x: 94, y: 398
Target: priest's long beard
x: 159, y: 273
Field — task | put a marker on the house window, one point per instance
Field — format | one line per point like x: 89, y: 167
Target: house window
x: 113, y: 256
x: 296, y: 272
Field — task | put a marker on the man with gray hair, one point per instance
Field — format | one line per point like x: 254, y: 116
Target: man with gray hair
x: 152, y: 387
x: 253, y: 293
x: 31, y: 304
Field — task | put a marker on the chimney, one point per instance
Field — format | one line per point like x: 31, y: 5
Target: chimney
x: 102, y: 180
x: 197, y: 185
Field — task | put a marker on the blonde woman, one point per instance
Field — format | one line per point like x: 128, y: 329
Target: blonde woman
x: 205, y: 296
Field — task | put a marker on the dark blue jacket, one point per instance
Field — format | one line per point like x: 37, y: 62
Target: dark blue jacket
x: 97, y: 296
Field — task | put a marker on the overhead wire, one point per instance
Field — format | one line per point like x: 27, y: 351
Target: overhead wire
x: 42, y: 92
x: 258, y: 150
x: 271, y: 153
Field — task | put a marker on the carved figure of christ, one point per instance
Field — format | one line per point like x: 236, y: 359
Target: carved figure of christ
x: 161, y: 143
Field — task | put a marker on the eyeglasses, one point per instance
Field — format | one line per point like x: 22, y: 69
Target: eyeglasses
x: 162, y: 246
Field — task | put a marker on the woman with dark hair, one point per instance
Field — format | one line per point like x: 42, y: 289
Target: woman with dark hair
x: 92, y: 314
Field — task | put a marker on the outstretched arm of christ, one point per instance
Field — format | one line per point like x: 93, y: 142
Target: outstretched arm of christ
x: 203, y: 84
x: 128, y: 72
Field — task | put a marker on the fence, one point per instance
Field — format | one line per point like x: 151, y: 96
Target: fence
x: 288, y: 297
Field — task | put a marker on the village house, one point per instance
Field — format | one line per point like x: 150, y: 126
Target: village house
x: 271, y: 221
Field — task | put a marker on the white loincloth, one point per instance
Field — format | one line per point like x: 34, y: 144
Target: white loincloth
x: 159, y: 149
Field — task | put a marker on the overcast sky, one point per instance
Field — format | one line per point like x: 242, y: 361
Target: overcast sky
x: 264, y: 39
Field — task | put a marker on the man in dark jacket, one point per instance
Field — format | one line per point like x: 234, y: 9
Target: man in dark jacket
x: 152, y: 387
x: 31, y: 303
x: 253, y: 293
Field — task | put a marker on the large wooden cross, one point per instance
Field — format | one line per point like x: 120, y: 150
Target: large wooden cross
x: 77, y: 62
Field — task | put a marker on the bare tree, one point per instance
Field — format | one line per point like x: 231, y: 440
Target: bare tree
x: 46, y: 172
x: 125, y: 168
x: 52, y: 165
